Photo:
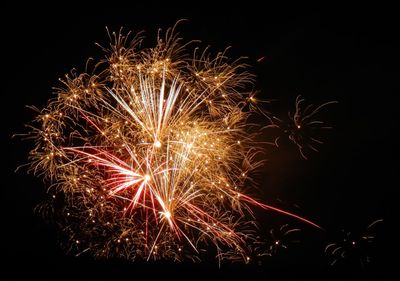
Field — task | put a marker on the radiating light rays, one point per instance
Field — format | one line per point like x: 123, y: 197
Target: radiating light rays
x: 152, y: 153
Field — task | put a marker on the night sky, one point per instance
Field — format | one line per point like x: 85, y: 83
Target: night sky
x: 332, y: 53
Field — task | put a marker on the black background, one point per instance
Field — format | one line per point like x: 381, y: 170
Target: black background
x: 349, y: 54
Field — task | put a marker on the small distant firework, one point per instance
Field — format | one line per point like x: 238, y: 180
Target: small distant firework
x: 282, y: 238
x: 279, y: 240
x: 353, y: 247
x: 303, y: 127
x: 147, y: 155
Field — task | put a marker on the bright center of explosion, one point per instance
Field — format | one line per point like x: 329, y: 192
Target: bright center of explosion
x: 147, y: 178
x: 167, y: 214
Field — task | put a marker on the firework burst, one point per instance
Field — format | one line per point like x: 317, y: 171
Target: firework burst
x: 149, y: 152
x: 302, y: 127
x: 353, y: 247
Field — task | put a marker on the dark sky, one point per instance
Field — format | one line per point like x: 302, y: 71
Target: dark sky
x: 326, y: 53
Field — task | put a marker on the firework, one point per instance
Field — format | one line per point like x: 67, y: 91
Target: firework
x: 282, y: 238
x: 148, y: 154
x: 353, y: 247
x: 302, y: 127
